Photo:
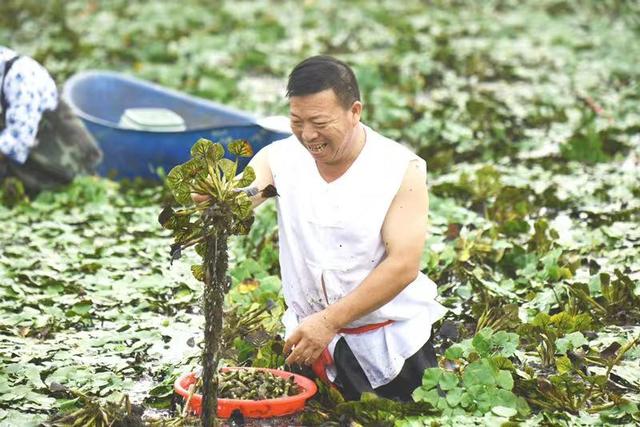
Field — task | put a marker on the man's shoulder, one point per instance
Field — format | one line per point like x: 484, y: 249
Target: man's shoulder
x: 389, y: 146
x: 291, y: 139
x: 281, y: 146
x: 394, y: 156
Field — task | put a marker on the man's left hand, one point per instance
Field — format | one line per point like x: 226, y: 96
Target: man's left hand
x: 309, y: 339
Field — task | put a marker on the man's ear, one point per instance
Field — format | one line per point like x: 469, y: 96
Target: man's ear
x: 356, y: 110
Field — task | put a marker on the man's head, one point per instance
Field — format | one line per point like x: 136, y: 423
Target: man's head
x: 322, y: 72
x: 325, y: 107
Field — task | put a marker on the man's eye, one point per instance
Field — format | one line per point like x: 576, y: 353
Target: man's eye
x: 295, y: 124
x: 320, y: 125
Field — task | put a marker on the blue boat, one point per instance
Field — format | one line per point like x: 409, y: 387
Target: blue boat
x: 102, y: 98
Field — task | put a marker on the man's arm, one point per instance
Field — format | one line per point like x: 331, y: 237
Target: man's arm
x: 404, y: 232
x: 260, y: 165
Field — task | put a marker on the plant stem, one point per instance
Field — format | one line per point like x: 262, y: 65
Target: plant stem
x: 214, y: 277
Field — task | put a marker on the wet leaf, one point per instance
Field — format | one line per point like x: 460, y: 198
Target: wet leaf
x: 504, y: 411
x: 448, y: 381
x: 166, y: 214
x: 563, y: 364
x: 431, y: 378
x: 227, y: 168
x: 215, y: 152
x: 248, y: 176
x: 201, y: 148
x: 197, y: 272
x: 240, y: 148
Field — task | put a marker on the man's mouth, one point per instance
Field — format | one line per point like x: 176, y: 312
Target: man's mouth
x: 316, y: 148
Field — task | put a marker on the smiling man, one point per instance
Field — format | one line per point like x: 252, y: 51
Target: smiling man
x: 352, y: 217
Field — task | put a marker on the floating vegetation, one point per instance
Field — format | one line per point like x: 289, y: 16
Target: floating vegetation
x: 527, y: 114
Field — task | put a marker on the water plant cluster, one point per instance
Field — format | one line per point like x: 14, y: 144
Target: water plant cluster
x: 528, y: 115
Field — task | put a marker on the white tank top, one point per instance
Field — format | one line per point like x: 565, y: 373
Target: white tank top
x: 331, y: 233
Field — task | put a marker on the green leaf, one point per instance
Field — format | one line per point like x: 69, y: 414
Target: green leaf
x: 240, y: 148
x: 507, y: 342
x: 423, y: 395
x: 504, y: 380
x: 82, y: 308
x: 563, y: 364
x: 33, y: 374
x: 175, y: 177
x: 541, y: 320
x: 248, y: 176
x: 482, y: 342
x: 522, y: 406
x: 182, y: 195
x: 243, y: 227
x: 215, y: 153
x: 441, y: 403
x: 178, y: 222
x: 43, y: 402
x: 197, y: 272
x: 431, y: 377
x: 570, y: 342
x: 335, y: 396
x: 242, y: 206
x: 454, y: 396
x: 454, y: 352
x: 166, y: 215
x: 177, y: 182
x: 194, y: 168
x: 183, y: 295
x: 504, y: 411
x: 480, y: 372
x: 466, y: 400
x: 586, y: 145
x: 227, y: 168
x: 501, y: 397
x: 369, y: 397
x: 448, y: 381
x: 200, y: 249
x: 201, y: 148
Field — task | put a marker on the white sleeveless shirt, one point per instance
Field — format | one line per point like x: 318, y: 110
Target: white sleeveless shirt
x: 331, y: 233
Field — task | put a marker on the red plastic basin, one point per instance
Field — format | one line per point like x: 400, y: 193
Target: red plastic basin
x: 266, y: 408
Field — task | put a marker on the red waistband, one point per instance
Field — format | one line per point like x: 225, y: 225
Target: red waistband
x: 365, y: 328
x: 325, y: 359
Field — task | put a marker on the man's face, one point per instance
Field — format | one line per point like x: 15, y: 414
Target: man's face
x: 324, y: 126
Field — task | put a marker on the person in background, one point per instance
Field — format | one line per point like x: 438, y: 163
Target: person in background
x: 42, y: 143
x: 352, y: 223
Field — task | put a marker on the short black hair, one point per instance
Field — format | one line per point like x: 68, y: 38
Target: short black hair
x: 322, y: 72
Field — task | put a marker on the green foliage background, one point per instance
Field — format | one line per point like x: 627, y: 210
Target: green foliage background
x: 527, y: 113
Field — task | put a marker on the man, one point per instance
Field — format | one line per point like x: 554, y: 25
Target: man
x: 41, y: 142
x: 352, y: 217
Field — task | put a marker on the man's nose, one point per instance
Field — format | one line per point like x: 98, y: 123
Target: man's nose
x: 309, y: 133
